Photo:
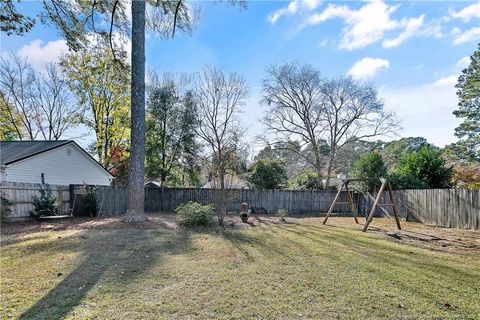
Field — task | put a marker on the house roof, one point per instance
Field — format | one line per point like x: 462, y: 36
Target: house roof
x: 153, y: 184
x: 13, y: 151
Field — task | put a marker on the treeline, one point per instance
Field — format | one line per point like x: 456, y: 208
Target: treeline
x: 409, y: 163
x: 316, y: 128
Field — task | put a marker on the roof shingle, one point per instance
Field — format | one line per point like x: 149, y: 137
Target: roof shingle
x: 12, y: 151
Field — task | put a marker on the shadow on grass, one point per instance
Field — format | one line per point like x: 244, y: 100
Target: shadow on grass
x: 398, y: 255
x: 394, y: 263
x: 115, y: 257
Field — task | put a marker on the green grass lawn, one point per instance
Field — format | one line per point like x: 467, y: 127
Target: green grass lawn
x: 274, y: 271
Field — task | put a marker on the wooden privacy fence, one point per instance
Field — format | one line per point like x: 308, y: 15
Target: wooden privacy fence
x: 452, y: 208
x: 455, y: 208
x: 110, y: 200
x: 167, y: 199
x: 20, y: 197
x: 294, y: 201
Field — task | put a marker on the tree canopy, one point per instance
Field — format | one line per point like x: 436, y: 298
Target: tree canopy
x: 267, y: 174
x: 12, y: 21
x: 35, y: 104
x: 425, y: 168
x: 369, y: 166
x: 304, y: 106
x: 101, y: 87
x: 171, y: 147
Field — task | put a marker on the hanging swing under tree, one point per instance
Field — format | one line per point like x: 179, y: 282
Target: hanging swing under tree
x: 375, y: 199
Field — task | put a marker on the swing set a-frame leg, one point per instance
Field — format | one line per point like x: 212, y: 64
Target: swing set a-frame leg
x: 333, y: 205
x: 394, y: 205
x: 372, y: 212
x: 352, y: 206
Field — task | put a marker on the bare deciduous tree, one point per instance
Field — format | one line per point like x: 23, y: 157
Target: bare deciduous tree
x: 40, y: 102
x: 220, y: 98
x: 352, y: 111
x: 57, y: 107
x: 294, y: 99
x: 302, y: 106
x: 17, y: 80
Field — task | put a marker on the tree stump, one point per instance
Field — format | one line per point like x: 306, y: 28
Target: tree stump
x: 244, y: 212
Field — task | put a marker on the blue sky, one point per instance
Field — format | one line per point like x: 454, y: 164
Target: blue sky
x: 412, y: 51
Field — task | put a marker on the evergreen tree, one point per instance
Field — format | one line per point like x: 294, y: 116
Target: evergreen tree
x: 12, y: 21
x: 171, y: 148
x: 468, y: 147
x: 267, y: 174
x: 423, y: 169
x: 369, y: 166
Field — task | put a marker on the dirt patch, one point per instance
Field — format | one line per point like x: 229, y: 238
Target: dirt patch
x: 418, y: 234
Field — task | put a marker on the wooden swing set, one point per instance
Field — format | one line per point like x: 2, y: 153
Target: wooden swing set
x: 375, y: 199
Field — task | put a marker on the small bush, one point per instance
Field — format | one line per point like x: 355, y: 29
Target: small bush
x: 194, y: 214
x: 45, y: 204
x: 5, y: 208
x: 88, y: 203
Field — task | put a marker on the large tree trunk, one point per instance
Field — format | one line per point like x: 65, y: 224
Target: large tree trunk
x: 221, y: 203
x: 136, y: 170
x: 318, y: 162
x: 330, y: 167
x: 221, y: 207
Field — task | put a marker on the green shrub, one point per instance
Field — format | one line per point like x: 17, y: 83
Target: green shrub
x: 369, y: 166
x: 5, y: 208
x: 267, y: 174
x: 308, y: 179
x: 406, y: 181
x: 194, y: 214
x: 88, y: 203
x: 426, y: 166
x: 46, y: 204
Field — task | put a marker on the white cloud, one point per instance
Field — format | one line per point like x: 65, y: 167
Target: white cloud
x: 324, y: 43
x: 411, y: 27
x: 469, y: 35
x: 456, y: 30
x: 433, y: 28
x: 293, y: 7
x: 467, y: 13
x: 464, y: 62
x: 39, y: 53
x: 368, y: 24
x: 449, y: 81
x: 368, y: 67
x: 426, y: 110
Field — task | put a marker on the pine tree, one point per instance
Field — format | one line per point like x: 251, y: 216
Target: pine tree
x: 468, y: 147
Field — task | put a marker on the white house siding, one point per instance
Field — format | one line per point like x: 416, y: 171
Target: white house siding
x: 64, y: 165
